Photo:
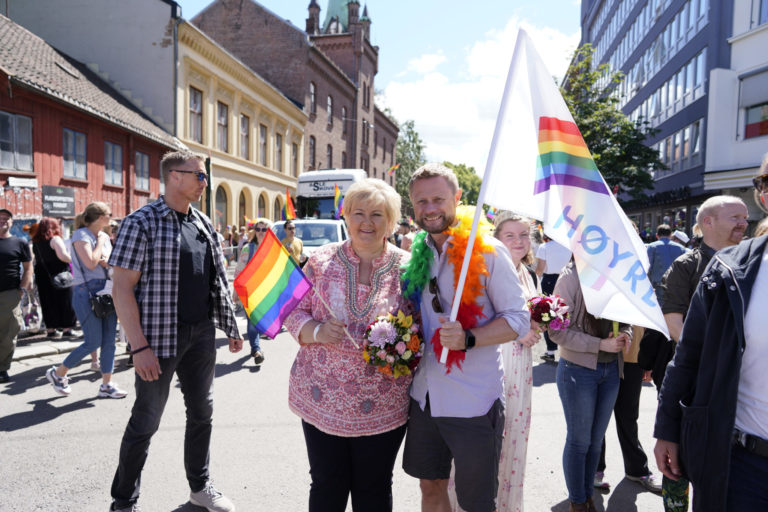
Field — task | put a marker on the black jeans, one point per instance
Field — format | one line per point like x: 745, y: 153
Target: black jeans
x: 548, y: 282
x: 194, y: 364
x: 625, y: 412
x: 361, y: 466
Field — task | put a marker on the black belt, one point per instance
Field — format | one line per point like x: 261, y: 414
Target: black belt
x: 754, y: 444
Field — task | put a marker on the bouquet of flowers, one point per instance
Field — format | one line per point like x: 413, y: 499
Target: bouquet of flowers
x: 392, y: 344
x: 550, y: 311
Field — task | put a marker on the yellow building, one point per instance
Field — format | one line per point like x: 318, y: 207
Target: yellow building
x: 252, y: 132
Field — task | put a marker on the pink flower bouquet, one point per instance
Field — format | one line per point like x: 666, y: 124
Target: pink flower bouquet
x: 392, y: 344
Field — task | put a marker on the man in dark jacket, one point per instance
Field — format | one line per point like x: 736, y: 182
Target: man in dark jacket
x: 712, y: 420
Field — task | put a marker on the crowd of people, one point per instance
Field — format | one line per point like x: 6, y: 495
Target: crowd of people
x: 463, y: 424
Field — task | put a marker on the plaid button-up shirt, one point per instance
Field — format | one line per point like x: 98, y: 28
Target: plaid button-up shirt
x: 149, y: 241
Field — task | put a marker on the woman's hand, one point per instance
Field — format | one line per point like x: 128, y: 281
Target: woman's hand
x: 533, y: 336
x: 614, y: 345
x: 331, y: 331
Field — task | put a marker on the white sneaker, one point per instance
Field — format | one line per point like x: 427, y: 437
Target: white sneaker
x: 60, y: 384
x: 651, y: 482
x: 95, y: 366
x: 211, y: 499
x: 111, y: 391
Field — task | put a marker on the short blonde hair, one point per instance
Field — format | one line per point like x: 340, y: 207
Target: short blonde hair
x: 506, y: 216
x: 761, y: 228
x: 378, y: 192
x: 434, y: 170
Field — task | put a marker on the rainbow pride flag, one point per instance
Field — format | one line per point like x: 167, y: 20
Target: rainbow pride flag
x: 338, y: 202
x: 289, y: 213
x: 393, y: 169
x: 564, y: 158
x: 271, y: 285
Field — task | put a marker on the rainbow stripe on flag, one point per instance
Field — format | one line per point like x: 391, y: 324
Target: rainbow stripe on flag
x: 271, y: 285
x: 289, y: 213
x: 393, y: 169
x: 338, y: 202
x: 564, y: 158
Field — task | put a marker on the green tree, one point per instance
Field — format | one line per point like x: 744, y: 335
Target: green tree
x: 469, y: 182
x: 410, y: 156
x: 616, y: 143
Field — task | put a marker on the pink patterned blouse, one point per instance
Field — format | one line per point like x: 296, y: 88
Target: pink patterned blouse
x: 331, y: 386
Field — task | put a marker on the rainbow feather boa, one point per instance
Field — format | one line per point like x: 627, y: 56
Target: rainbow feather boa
x: 416, y: 274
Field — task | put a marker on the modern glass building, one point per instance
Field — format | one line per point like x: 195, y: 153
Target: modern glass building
x: 666, y: 49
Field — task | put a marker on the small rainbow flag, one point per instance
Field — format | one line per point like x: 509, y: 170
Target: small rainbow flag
x: 338, y: 202
x: 491, y: 212
x: 564, y: 158
x: 248, y: 221
x: 393, y: 169
x: 289, y: 213
x: 271, y: 285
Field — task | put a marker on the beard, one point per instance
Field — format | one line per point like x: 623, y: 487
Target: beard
x: 447, y: 222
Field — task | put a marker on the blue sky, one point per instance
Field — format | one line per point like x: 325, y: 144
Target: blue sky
x: 438, y: 52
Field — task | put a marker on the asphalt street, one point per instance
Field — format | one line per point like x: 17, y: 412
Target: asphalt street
x: 59, y: 453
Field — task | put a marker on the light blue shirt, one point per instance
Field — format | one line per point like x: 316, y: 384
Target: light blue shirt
x: 470, y: 391
x: 78, y: 265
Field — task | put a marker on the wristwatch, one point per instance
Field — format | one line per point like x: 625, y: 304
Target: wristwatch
x: 469, y: 340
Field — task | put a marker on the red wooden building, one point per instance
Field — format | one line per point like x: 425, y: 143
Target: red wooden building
x: 62, y: 126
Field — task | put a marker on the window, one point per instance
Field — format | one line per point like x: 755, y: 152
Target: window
x: 195, y: 115
x: 329, y: 109
x: 375, y: 143
x: 263, y: 145
x: 241, y: 208
x: 311, y: 152
x: 383, y: 150
x: 222, y: 126
x: 221, y: 207
x: 329, y: 156
x: 278, y: 152
x: 113, y: 164
x: 262, y: 211
x: 74, y: 154
x: 294, y: 159
x: 343, y: 120
x: 277, y: 211
x: 757, y: 121
x: 245, y: 137
x: 763, y: 18
x: 15, y: 142
x: 343, y: 159
x: 142, y: 171
x: 312, y: 98
x: 365, y: 132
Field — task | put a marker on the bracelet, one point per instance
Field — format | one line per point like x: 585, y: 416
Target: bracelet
x: 314, y: 333
x: 145, y: 347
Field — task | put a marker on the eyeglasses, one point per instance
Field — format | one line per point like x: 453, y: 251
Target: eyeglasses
x: 761, y: 183
x: 435, y: 291
x: 201, y: 175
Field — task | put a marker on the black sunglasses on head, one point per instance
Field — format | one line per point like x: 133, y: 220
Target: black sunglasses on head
x: 435, y: 291
x: 761, y: 183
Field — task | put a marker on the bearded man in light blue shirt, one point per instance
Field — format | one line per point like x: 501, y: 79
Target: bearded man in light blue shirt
x: 458, y: 415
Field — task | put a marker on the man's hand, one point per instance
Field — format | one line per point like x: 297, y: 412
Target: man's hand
x: 452, y: 335
x: 235, y: 344
x: 666, y: 453
x: 146, y: 365
x: 648, y: 376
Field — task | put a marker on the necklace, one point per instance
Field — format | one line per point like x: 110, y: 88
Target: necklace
x: 362, y: 313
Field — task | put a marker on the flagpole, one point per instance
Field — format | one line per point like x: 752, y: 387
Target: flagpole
x: 330, y: 311
x: 481, y: 194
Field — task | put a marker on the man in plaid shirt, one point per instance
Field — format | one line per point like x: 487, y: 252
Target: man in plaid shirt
x: 166, y: 251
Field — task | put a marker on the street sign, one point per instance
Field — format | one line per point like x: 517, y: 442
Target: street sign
x: 58, y: 201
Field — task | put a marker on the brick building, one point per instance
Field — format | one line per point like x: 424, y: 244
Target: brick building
x: 328, y: 70
x: 62, y: 126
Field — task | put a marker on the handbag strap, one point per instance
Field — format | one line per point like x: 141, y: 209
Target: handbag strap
x: 41, y: 260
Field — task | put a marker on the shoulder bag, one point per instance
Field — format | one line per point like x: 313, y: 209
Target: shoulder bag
x: 60, y: 281
x: 101, y: 305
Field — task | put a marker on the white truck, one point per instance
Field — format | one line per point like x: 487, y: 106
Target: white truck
x: 315, y: 191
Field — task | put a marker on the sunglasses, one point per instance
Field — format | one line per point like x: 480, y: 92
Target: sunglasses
x: 290, y: 229
x: 435, y: 291
x: 761, y: 183
x: 201, y: 175
x: 260, y: 230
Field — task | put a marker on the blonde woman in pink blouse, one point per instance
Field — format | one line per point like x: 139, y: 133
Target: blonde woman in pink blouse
x: 353, y: 416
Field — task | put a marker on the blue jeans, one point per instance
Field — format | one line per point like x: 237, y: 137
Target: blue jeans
x: 588, y: 397
x: 254, y: 337
x: 747, y: 491
x: 97, y: 332
x: 194, y: 364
